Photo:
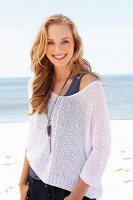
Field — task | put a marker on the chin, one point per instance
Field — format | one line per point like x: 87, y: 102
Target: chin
x: 60, y: 64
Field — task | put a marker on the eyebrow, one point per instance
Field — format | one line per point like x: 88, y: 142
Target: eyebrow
x: 62, y: 38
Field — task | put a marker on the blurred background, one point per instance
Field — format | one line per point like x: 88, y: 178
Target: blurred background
x: 106, y: 30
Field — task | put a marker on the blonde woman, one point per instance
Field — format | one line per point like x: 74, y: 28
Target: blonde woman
x: 69, y: 133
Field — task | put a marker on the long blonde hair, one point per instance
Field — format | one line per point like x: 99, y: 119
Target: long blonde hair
x: 43, y: 69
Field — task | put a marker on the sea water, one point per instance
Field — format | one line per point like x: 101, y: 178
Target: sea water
x: 14, y: 98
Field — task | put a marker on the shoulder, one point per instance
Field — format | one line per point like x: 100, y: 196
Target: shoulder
x: 86, y: 80
x: 30, y: 82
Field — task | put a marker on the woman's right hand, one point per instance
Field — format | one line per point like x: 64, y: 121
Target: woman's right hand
x: 23, y: 191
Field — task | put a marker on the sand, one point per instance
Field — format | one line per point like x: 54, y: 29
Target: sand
x: 117, y: 179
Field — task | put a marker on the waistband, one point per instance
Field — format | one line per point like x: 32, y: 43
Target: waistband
x: 33, y: 180
x: 51, y: 187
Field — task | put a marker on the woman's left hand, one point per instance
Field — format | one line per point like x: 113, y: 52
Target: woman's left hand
x: 70, y: 197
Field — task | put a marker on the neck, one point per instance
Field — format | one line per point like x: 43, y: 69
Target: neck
x: 61, y: 74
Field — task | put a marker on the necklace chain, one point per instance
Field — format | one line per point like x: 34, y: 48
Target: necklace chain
x: 49, y: 118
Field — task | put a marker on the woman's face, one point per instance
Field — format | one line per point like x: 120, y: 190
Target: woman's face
x: 60, y: 44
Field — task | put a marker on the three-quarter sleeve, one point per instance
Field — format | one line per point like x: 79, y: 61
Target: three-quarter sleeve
x: 30, y: 121
x: 95, y: 164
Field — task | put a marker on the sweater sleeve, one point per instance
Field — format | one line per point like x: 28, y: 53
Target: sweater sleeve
x: 30, y: 123
x: 100, y: 139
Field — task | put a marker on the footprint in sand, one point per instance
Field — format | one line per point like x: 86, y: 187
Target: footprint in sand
x: 122, y: 151
x: 127, y: 181
x: 127, y: 158
x: 121, y: 169
x: 8, y: 157
x: 5, y: 164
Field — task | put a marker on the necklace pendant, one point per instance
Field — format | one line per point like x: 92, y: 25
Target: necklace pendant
x: 49, y: 130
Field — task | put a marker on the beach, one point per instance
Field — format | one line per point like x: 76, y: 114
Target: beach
x: 117, y: 179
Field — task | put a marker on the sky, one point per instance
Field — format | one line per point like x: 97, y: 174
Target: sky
x: 105, y: 26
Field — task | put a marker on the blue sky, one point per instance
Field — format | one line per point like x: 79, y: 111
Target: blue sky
x: 106, y: 28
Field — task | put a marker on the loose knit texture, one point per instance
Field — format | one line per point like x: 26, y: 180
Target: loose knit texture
x: 81, y: 140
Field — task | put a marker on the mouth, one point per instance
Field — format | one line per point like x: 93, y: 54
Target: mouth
x: 60, y: 56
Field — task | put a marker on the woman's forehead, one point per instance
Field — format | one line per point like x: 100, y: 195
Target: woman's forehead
x: 59, y: 30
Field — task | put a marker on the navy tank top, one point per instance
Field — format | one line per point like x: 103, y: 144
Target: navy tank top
x: 74, y: 88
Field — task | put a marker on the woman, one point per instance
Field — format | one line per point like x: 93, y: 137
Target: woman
x: 69, y: 134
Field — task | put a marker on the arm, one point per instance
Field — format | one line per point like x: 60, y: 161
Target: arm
x: 25, y: 172
x: 26, y: 167
x: 23, y: 186
x: 78, y: 191
x: 100, y: 138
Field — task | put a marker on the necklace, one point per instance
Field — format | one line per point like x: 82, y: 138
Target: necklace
x: 49, y: 127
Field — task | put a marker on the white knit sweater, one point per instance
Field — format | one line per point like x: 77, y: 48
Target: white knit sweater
x: 81, y: 140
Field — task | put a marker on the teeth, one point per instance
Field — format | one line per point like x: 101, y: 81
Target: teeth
x: 61, y: 56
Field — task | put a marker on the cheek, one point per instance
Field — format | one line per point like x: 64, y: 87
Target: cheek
x: 48, y: 51
x: 71, y: 49
x: 72, y: 46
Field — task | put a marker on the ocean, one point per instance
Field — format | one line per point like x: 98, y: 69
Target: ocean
x: 14, y: 104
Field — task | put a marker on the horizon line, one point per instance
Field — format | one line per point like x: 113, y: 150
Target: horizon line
x: 111, y: 74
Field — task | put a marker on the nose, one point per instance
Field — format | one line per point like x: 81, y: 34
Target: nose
x: 58, y: 48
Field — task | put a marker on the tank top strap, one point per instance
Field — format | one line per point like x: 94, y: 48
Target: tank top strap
x: 74, y: 87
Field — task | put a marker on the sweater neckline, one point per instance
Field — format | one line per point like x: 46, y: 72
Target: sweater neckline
x: 75, y: 94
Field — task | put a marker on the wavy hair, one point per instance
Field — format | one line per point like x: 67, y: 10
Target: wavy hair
x: 43, y: 69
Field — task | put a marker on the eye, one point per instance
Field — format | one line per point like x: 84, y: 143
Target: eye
x: 50, y: 43
x: 65, y: 41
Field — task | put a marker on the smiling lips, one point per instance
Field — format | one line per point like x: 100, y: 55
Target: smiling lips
x: 59, y: 57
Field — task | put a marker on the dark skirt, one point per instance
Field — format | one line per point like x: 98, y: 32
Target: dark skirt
x: 38, y: 190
